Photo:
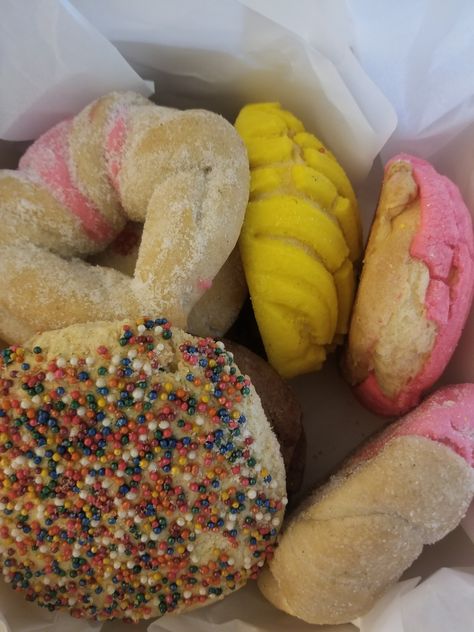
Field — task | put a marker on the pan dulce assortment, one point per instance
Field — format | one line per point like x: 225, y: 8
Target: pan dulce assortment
x: 145, y: 465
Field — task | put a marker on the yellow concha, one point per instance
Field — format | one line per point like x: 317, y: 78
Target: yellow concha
x: 300, y: 238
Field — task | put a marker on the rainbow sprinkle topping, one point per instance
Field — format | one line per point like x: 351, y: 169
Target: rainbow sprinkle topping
x: 129, y: 480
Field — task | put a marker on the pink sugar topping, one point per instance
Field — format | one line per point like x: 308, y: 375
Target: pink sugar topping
x: 445, y: 244
x: 47, y: 159
x: 446, y: 417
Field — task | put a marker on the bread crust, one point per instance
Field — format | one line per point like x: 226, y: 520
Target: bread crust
x: 355, y: 536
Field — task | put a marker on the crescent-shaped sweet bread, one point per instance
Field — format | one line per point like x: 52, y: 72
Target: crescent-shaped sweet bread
x: 183, y: 173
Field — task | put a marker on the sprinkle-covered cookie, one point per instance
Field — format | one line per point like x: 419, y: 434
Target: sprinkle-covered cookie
x: 138, y: 473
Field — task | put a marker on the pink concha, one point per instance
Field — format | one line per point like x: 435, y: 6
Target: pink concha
x: 446, y: 417
x: 445, y: 244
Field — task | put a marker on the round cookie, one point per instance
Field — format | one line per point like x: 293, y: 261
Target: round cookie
x: 416, y: 288
x: 138, y: 472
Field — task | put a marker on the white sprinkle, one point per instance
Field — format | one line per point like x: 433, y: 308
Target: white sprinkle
x: 187, y: 594
x: 100, y: 382
x: 160, y: 347
x: 24, y: 403
x: 90, y: 360
x: 132, y: 354
x: 106, y: 422
x: 81, y: 411
x: 49, y: 376
x: 141, y: 329
x: 199, y: 420
x: 137, y: 365
x: 138, y: 393
x: 133, y: 453
x: 158, y: 329
x: 284, y: 500
x: 111, y: 398
x: 252, y: 494
x: 36, y: 399
x: 73, y: 361
x: 192, y: 455
x: 61, y: 362
x: 115, y: 359
x: 188, y: 517
x: 83, y: 494
x: 259, y: 516
x: 276, y: 521
x: 220, y: 344
x: 153, y: 425
x: 181, y: 522
x: 164, y: 424
x: 190, y: 547
x: 260, y: 563
x: 112, y: 370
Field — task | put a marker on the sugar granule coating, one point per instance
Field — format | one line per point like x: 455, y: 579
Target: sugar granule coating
x: 136, y: 479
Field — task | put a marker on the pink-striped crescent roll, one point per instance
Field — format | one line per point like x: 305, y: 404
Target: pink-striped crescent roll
x: 185, y: 175
x: 416, y: 288
x: 355, y: 536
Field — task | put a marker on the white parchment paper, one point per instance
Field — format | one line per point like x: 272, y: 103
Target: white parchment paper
x: 324, y: 60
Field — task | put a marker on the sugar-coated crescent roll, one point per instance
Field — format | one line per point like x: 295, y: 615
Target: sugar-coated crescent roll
x: 356, y: 535
x: 415, y: 291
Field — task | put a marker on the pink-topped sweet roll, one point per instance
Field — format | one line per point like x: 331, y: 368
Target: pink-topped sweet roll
x: 416, y: 288
x: 352, y: 538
